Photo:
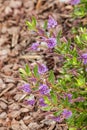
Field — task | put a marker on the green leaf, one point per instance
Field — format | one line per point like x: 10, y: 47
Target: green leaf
x: 82, y: 118
x: 27, y: 69
x: 58, y: 37
x: 66, y: 102
x: 72, y: 129
x: 80, y: 81
x: 48, y: 108
x: 22, y: 71
x: 54, y: 97
x: 34, y: 22
x: 45, y: 25
x: 57, y: 113
x: 46, y: 100
x: 29, y: 25
x: 51, y: 76
x: 35, y: 70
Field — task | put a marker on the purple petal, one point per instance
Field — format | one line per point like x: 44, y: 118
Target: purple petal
x: 42, y: 103
x: 69, y: 96
x: 51, y: 42
x: 66, y: 113
x: 52, y: 23
x: 42, y: 68
x: 84, y: 58
x: 31, y: 102
x: 34, y: 46
x: 26, y: 88
x: 44, y: 89
x: 58, y: 119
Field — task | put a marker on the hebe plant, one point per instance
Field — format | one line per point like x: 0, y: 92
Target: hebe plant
x: 64, y: 98
x: 80, y: 10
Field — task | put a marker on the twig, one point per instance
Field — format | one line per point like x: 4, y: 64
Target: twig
x: 4, y: 91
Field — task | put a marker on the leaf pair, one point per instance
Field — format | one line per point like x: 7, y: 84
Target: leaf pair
x: 31, y: 25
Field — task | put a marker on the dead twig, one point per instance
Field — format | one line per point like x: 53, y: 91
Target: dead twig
x: 7, y: 89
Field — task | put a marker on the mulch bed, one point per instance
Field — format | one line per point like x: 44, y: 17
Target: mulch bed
x: 14, y: 40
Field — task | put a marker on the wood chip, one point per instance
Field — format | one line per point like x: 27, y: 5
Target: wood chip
x: 15, y: 4
x: 33, y: 126
x: 3, y: 105
x: 15, y: 125
x: 4, y: 91
x: 15, y: 37
x: 3, y: 115
x: 22, y: 125
x: 52, y: 127
x: 14, y: 114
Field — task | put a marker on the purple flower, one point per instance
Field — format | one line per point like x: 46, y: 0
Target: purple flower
x: 84, y: 57
x: 34, y: 46
x: 42, y: 103
x: 74, y: 2
x: 42, y: 68
x: 69, y: 96
x: 44, y: 89
x: 66, y: 113
x: 51, y: 42
x: 52, y: 23
x: 56, y: 118
x: 26, y: 88
x: 31, y: 100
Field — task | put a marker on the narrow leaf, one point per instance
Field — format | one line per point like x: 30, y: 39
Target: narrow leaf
x: 29, y: 25
x: 47, y: 101
x: 34, y: 22
x: 57, y: 113
x: 45, y: 25
x: 54, y: 97
x: 22, y: 71
x: 51, y: 77
x: 35, y: 70
x: 27, y: 69
x: 48, y: 108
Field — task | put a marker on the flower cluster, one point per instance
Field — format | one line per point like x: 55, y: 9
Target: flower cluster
x: 52, y: 23
x: 26, y: 88
x: 64, y: 115
x: 44, y: 89
x: 42, y: 68
x: 51, y: 42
